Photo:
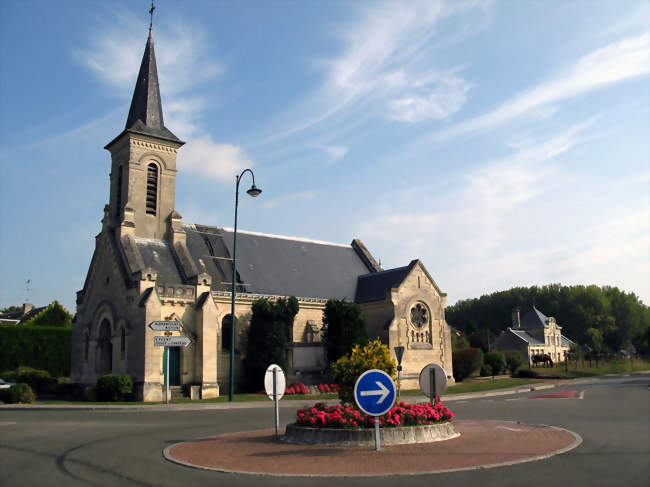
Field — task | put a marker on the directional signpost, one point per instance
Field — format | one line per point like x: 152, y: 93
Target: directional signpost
x: 275, y: 385
x: 374, y: 393
x: 433, y: 381
x: 168, y: 341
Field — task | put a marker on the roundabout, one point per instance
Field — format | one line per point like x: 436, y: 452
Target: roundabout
x: 480, y: 444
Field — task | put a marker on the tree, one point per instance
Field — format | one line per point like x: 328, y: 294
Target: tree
x: 268, y: 336
x: 11, y: 309
x: 497, y: 362
x: 465, y: 362
x: 514, y: 360
x: 347, y: 369
x: 343, y: 327
x: 53, y: 315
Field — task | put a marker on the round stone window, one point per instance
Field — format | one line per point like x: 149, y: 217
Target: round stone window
x: 419, y: 316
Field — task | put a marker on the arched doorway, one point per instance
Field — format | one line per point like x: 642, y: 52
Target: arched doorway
x: 104, y: 348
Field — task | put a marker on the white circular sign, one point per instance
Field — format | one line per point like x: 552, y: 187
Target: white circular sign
x: 280, y: 384
x: 427, y: 382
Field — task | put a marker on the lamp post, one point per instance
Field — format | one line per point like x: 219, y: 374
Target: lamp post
x: 253, y: 191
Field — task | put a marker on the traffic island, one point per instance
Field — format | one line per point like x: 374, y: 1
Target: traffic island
x: 481, y: 444
x: 366, y: 436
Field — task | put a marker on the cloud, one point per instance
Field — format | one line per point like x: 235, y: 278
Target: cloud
x: 114, y: 54
x: 437, y: 96
x: 613, y: 63
x: 274, y: 203
x: 383, y: 68
x: 219, y: 162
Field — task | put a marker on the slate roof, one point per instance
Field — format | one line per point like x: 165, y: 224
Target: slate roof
x: 20, y: 316
x: 377, y: 285
x: 158, y: 255
x: 525, y: 336
x: 534, y: 319
x: 290, y: 266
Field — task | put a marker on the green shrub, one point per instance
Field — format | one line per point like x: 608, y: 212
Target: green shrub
x: 526, y: 374
x: 53, y: 315
x: 268, y: 336
x: 90, y: 394
x: 486, y: 370
x: 8, y: 375
x: 111, y: 387
x: 466, y: 361
x: 41, y: 347
x: 20, y: 393
x: 344, y: 326
x: 39, y: 380
x: 347, y: 369
x: 513, y: 360
x: 497, y: 361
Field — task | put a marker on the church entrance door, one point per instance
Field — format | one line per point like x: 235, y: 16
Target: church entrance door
x: 174, y: 365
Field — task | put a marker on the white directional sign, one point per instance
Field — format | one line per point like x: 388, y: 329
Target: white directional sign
x: 171, y: 341
x: 165, y: 325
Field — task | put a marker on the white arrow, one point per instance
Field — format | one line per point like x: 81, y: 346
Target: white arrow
x: 383, y: 392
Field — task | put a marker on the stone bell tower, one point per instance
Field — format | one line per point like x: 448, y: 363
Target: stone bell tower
x: 143, y: 171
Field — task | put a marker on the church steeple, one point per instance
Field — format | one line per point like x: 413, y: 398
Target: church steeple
x: 145, y: 114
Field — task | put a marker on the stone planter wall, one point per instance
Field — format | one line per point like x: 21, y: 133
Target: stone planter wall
x: 357, y: 437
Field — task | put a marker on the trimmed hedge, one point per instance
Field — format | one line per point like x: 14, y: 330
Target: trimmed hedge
x: 466, y: 361
x: 19, y: 393
x: 41, y: 347
x: 514, y: 360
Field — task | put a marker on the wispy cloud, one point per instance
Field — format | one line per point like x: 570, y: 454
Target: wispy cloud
x: 274, y: 203
x: 616, y: 62
x: 384, y: 68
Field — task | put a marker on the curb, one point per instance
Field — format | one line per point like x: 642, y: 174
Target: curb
x: 292, y: 403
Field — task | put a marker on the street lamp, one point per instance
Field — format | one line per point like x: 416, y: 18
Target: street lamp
x: 253, y: 191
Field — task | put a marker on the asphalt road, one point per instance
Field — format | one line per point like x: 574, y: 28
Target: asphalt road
x: 123, y: 448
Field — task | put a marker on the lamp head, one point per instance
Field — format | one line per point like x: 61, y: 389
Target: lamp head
x: 254, y: 191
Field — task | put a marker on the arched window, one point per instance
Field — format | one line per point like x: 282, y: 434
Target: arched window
x: 226, y: 333
x: 152, y: 188
x: 104, y: 354
x: 122, y: 343
x: 118, y: 196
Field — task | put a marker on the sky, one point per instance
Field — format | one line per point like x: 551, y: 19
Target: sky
x: 503, y: 143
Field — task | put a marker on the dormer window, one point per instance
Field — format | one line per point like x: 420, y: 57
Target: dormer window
x: 152, y: 189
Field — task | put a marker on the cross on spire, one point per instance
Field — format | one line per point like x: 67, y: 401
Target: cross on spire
x: 153, y: 7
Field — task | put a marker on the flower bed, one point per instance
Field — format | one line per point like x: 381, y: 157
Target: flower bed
x: 349, y: 417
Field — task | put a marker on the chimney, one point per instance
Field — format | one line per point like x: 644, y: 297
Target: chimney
x: 516, y: 323
x: 27, y: 307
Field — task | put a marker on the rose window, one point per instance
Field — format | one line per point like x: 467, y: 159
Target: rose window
x: 419, y: 316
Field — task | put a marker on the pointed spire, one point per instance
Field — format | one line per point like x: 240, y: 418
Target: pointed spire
x: 145, y: 114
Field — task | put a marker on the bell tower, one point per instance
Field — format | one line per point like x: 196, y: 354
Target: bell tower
x: 143, y: 170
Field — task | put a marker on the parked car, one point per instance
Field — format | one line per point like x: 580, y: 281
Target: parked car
x: 5, y: 385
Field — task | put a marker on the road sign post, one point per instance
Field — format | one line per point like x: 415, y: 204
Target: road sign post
x: 399, y: 353
x: 168, y: 341
x: 275, y: 385
x: 433, y: 381
x: 374, y: 393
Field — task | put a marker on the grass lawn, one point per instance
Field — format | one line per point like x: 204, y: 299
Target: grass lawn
x: 624, y: 366
x: 469, y: 385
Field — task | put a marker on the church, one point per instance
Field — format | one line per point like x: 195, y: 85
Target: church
x: 148, y: 265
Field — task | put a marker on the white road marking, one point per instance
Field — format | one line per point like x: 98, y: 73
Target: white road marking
x: 7, y: 423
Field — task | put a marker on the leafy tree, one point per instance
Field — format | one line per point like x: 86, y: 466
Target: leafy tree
x: 347, y: 369
x: 465, y: 362
x: 53, y: 315
x: 458, y: 341
x: 496, y: 361
x: 343, y: 327
x: 268, y: 335
x: 514, y: 360
x: 11, y: 309
x: 594, y: 339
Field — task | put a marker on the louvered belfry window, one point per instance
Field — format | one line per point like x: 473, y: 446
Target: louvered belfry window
x: 152, y: 188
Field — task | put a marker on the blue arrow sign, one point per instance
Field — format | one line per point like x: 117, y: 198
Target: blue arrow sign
x: 374, y: 392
